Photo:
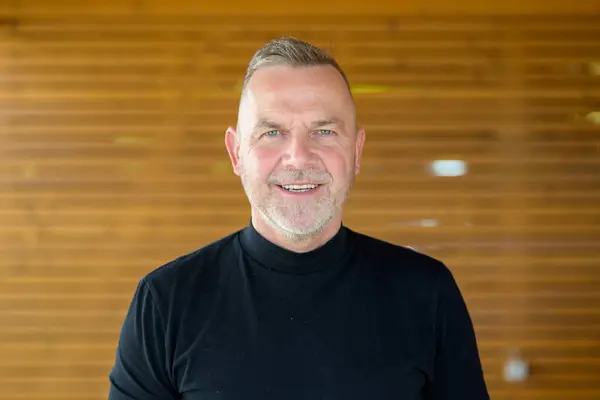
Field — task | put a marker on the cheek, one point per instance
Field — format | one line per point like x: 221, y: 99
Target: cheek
x: 338, y: 165
x: 262, y: 162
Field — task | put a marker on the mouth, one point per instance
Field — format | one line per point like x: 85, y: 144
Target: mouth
x: 303, y: 188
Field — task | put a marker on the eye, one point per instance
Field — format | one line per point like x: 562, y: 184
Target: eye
x: 325, y: 132
x: 272, y: 133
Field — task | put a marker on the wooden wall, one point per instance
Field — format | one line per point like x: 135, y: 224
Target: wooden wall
x: 112, y: 162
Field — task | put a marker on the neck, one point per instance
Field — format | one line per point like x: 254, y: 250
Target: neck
x: 282, y: 240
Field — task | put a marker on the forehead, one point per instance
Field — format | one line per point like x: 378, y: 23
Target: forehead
x: 312, y: 91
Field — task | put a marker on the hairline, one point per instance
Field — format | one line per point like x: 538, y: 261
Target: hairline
x: 292, y: 53
x: 286, y: 64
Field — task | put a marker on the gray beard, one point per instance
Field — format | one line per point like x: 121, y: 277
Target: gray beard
x: 281, y: 220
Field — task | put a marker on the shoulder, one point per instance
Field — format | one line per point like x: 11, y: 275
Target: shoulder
x: 397, y: 261
x: 184, y: 273
x: 386, y: 252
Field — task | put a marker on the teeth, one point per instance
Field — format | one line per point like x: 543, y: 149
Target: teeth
x: 299, y: 188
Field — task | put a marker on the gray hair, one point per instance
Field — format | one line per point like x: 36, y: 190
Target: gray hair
x: 291, y: 52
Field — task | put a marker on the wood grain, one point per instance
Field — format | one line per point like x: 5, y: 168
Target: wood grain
x: 112, y: 162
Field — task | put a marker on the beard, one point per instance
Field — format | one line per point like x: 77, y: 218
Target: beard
x: 296, y: 219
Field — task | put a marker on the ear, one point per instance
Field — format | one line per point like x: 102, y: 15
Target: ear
x: 360, y: 142
x: 233, y: 149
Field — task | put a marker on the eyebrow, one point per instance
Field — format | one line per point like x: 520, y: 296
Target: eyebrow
x: 325, y: 122
x: 264, y: 123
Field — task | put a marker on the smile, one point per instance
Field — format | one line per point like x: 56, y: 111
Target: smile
x: 299, y: 188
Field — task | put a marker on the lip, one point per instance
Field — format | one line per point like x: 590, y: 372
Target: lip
x: 300, y: 194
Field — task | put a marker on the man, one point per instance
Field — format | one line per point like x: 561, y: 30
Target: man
x: 296, y: 305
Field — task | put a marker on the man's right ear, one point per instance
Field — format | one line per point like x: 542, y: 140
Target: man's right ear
x: 233, y: 149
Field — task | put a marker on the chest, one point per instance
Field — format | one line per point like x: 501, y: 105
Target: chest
x: 254, y: 347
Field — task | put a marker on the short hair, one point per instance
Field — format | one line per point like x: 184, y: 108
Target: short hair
x: 292, y: 52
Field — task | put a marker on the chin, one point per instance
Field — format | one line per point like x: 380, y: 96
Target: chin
x: 302, y: 226
x: 299, y: 219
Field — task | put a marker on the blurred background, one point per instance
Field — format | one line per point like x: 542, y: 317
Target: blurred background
x: 483, y: 149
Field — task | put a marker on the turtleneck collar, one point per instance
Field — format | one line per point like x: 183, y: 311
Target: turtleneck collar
x: 275, y: 257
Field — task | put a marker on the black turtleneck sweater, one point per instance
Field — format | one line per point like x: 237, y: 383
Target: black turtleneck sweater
x: 243, y: 319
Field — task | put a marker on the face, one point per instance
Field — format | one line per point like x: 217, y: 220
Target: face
x: 297, y: 148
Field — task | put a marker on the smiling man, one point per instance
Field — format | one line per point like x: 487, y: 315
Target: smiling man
x: 297, y: 147
x: 297, y: 305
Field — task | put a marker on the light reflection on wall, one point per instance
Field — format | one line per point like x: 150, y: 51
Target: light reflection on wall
x: 448, y: 168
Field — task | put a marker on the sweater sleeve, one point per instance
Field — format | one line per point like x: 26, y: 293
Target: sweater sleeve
x: 140, y: 369
x: 457, y: 373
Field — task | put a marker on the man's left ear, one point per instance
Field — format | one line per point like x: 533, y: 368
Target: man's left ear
x: 360, y: 142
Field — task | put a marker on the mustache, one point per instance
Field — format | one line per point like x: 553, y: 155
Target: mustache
x: 291, y: 176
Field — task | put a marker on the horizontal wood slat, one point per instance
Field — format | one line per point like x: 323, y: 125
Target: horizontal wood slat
x: 266, y: 8
x: 112, y: 162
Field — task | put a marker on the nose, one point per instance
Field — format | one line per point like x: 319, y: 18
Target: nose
x: 299, y: 152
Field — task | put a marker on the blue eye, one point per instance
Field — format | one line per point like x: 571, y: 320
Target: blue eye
x: 272, y: 133
x: 325, y: 132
